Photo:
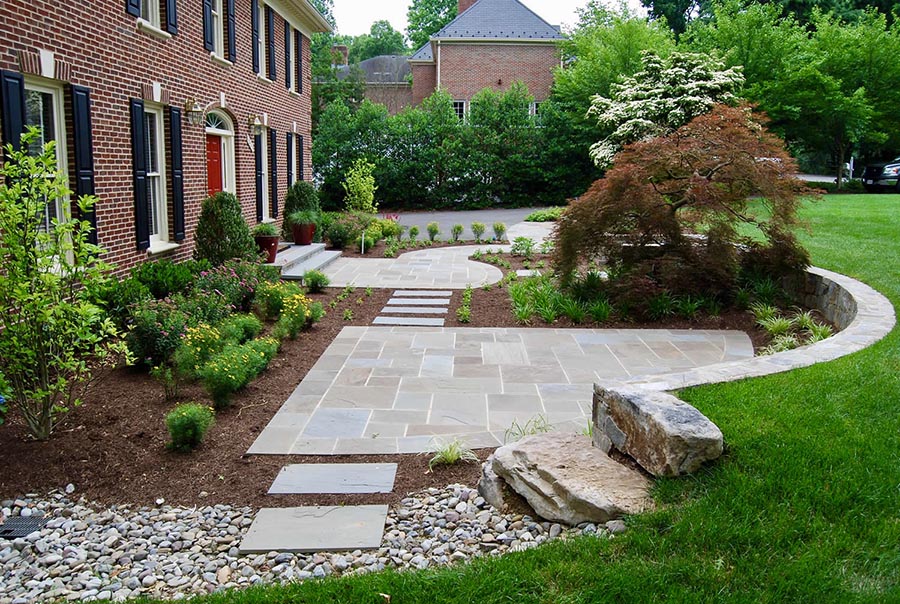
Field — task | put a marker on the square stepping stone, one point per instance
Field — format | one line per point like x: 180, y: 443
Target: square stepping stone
x: 413, y: 310
x: 409, y: 321
x: 315, y: 529
x: 423, y: 293
x: 335, y: 478
x: 419, y: 301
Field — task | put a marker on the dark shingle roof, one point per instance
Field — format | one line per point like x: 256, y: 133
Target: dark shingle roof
x: 498, y: 19
x: 385, y: 69
x: 423, y: 54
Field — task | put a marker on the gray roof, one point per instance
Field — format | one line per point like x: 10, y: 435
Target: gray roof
x: 423, y: 54
x: 390, y: 69
x: 499, y: 19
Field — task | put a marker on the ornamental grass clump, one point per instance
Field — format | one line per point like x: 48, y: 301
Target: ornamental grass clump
x: 235, y: 367
x: 188, y: 424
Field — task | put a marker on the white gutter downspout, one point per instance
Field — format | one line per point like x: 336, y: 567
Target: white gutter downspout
x: 438, y: 64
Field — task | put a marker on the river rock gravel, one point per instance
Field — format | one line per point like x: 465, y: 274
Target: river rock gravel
x: 88, y: 553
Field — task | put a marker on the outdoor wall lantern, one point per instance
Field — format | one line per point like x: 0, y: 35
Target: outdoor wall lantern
x: 255, y: 124
x: 195, y: 113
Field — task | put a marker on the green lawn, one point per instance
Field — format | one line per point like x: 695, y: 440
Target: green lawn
x: 804, y: 506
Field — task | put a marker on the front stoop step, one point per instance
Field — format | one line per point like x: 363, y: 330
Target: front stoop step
x: 294, y: 254
x: 317, y: 262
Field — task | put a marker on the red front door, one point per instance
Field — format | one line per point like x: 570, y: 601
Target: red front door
x: 213, y: 164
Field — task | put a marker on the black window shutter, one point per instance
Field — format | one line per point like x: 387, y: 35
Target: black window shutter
x: 258, y: 147
x: 273, y: 171
x: 230, y: 20
x: 270, y: 40
x: 84, y: 151
x: 133, y: 7
x: 298, y: 56
x: 208, y: 34
x: 254, y: 20
x: 290, y: 159
x: 287, y: 55
x: 300, y: 159
x: 171, y: 17
x: 12, y: 103
x: 177, y: 172
x: 141, y: 191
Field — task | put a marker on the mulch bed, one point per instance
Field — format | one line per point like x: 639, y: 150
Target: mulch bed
x: 113, y: 447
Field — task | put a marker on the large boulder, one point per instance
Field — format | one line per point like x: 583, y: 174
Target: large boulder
x: 567, y: 480
x: 665, y: 435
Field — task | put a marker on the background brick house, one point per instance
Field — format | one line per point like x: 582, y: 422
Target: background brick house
x: 490, y: 44
x: 155, y: 104
x: 387, y: 79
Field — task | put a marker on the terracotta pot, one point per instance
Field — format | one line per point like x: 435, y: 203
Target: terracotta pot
x: 268, y: 246
x: 303, y: 233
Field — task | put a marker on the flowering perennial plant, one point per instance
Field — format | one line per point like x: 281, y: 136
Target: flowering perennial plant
x: 235, y: 367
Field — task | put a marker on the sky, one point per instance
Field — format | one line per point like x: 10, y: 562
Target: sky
x: 355, y: 17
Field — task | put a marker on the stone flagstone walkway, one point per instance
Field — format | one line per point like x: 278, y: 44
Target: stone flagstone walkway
x: 416, y: 307
x: 394, y: 389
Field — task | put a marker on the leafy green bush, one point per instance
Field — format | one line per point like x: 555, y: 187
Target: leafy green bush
x: 523, y: 246
x: 300, y: 197
x: 315, y: 281
x: 413, y: 232
x: 478, y: 229
x: 164, y: 277
x: 298, y: 313
x: 270, y: 297
x: 197, y: 346
x: 389, y: 228
x: 359, y: 187
x: 235, y: 281
x: 235, y: 367
x: 340, y: 233
x: 433, y: 229
x: 456, y: 231
x: 499, y: 231
x: 238, y: 329
x: 118, y: 297
x: 600, y: 310
x: 546, y: 215
x: 53, y: 337
x: 222, y: 232
x: 188, y: 424
x: 200, y: 307
x: 157, y: 327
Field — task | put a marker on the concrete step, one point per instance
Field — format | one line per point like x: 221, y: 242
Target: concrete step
x: 409, y: 321
x: 418, y: 302
x: 294, y: 254
x: 316, y: 262
x: 423, y: 293
x: 413, y: 310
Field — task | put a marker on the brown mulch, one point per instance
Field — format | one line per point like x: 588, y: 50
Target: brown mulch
x: 113, y: 447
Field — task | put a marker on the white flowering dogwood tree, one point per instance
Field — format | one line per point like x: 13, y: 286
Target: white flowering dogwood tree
x: 666, y: 94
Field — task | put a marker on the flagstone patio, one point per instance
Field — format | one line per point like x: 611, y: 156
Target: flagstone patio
x: 396, y: 389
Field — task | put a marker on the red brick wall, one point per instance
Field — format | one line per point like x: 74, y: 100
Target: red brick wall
x: 394, y: 97
x: 463, y: 5
x: 424, y: 82
x: 113, y: 58
x: 466, y: 69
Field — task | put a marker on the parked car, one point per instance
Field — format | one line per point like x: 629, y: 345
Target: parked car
x: 879, y: 177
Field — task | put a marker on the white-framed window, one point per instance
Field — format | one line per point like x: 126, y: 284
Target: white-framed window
x: 150, y: 12
x: 218, y: 28
x: 460, y: 108
x: 45, y: 110
x: 534, y: 109
x: 154, y: 139
x: 263, y: 41
x: 292, y: 51
x: 264, y: 154
x: 219, y: 124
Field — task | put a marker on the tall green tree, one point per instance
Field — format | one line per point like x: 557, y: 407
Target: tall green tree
x: 677, y: 13
x: 427, y: 17
x: 382, y: 39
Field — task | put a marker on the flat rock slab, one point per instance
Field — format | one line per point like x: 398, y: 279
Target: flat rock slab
x: 315, y: 529
x: 409, y: 321
x: 414, y: 310
x: 423, y: 293
x: 565, y: 479
x: 335, y: 478
x: 419, y: 301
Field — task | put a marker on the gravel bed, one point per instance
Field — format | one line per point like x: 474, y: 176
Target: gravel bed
x: 86, y: 553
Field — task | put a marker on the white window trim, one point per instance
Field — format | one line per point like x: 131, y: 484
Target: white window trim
x: 228, y: 164
x: 218, y: 27
x: 293, y: 53
x: 465, y: 109
x: 160, y: 240
x: 263, y: 42
x: 153, y: 13
x: 148, y: 27
x: 266, y: 207
x: 63, y: 204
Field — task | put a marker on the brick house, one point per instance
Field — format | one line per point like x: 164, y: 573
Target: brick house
x: 490, y: 44
x: 387, y: 79
x: 155, y: 104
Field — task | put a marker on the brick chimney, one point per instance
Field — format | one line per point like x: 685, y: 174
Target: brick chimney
x: 464, y: 5
x: 340, y: 54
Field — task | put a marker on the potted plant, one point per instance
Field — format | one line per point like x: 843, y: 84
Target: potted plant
x: 266, y: 236
x: 303, y: 226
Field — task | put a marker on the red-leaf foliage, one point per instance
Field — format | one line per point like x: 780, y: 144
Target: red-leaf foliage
x: 666, y: 216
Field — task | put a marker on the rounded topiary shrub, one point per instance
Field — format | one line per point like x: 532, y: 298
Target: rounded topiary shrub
x: 222, y: 232
x: 188, y: 424
x: 300, y: 197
